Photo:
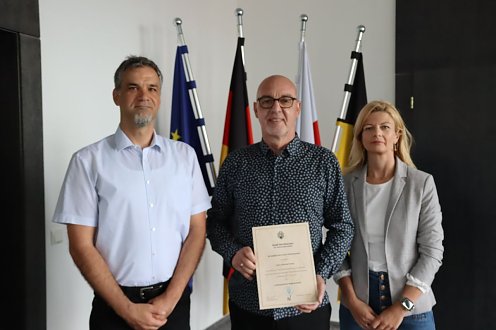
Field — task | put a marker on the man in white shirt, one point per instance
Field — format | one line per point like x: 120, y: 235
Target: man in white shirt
x: 135, y: 204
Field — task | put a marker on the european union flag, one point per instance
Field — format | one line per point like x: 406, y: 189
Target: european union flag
x: 184, y: 125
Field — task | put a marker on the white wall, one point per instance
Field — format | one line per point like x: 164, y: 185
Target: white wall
x: 82, y: 43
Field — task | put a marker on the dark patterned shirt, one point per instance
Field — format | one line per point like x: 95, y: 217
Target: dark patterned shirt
x: 257, y: 188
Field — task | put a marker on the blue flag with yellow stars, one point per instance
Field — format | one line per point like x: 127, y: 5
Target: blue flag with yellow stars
x: 184, y: 124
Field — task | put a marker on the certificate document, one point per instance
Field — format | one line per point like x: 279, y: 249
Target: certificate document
x: 285, y: 268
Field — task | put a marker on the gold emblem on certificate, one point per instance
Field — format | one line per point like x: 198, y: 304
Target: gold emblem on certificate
x: 285, y: 268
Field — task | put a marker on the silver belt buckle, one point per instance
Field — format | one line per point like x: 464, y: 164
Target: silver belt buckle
x: 142, y: 291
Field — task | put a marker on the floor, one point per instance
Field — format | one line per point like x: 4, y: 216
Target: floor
x: 225, y: 324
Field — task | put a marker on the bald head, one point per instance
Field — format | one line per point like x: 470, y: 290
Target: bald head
x: 275, y: 82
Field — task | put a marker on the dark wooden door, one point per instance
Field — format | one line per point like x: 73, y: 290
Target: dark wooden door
x: 446, y: 90
x: 22, y: 184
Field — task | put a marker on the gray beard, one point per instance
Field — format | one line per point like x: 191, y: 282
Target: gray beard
x: 142, y: 120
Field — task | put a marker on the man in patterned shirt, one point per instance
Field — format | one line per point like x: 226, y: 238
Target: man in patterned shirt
x: 279, y: 180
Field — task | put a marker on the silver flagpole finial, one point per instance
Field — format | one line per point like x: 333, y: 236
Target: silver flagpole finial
x: 304, y: 19
x: 361, y: 31
x: 239, y: 14
x: 180, y: 36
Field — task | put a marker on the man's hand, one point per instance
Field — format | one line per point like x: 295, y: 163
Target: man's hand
x: 321, y: 287
x: 145, y: 316
x: 244, y: 261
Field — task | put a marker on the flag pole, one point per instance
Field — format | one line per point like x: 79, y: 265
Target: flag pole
x: 304, y: 19
x: 195, y: 102
x: 347, y: 90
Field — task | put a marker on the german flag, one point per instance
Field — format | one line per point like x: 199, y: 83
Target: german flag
x: 237, y: 132
x: 237, y: 127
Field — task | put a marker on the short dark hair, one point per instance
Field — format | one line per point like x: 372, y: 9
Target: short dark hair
x: 132, y: 62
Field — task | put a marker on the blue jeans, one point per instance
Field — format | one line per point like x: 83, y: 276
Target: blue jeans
x: 379, y: 299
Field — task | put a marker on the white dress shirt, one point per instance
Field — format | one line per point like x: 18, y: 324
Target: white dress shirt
x: 140, y: 200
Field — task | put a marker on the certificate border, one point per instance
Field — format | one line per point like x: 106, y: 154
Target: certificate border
x: 309, y: 255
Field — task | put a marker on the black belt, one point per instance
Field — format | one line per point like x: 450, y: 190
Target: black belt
x: 144, y: 293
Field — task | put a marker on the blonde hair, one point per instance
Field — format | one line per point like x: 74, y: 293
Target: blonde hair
x: 358, y: 154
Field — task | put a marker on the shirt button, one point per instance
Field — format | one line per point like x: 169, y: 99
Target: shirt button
x: 153, y: 229
x: 147, y: 181
x: 382, y: 287
x: 383, y: 298
x: 381, y: 277
x: 151, y: 204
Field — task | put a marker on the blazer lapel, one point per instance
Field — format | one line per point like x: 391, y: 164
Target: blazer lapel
x: 399, y: 181
x: 359, y: 193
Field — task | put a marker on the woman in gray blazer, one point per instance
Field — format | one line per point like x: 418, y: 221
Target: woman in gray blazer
x: 385, y: 282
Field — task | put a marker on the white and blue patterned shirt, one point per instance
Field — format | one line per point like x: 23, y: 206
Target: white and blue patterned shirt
x: 140, y: 200
x: 257, y: 188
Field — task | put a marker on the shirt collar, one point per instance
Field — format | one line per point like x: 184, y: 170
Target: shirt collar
x: 122, y: 141
x: 291, y: 149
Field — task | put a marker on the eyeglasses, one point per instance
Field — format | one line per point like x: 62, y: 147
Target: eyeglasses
x: 267, y: 102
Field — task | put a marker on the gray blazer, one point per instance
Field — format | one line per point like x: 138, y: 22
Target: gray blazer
x: 413, y: 233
